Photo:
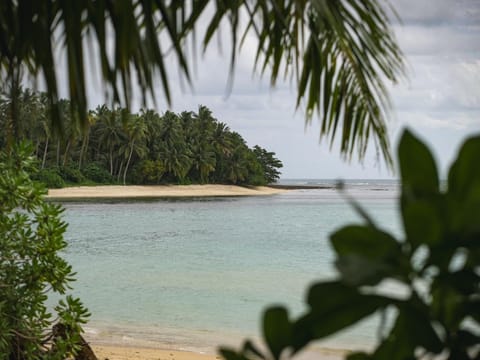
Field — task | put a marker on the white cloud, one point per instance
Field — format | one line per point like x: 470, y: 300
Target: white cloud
x: 456, y: 121
x: 439, y: 84
x: 465, y: 79
x: 434, y: 12
x: 438, y: 40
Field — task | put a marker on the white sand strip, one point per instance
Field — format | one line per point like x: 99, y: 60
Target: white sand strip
x: 157, y: 191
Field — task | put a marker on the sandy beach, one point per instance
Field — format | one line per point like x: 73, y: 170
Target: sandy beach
x: 157, y: 191
x: 139, y: 353
x: 112, y: 352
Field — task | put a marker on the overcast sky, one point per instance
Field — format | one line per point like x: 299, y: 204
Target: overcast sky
x: 440, y: 100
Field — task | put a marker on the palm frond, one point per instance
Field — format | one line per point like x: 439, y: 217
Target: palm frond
x: 339, y: 53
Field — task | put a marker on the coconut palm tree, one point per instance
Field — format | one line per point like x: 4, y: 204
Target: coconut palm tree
x: 46, y: 138
x: 220, y: 140
x: 110, y: 133
x: 200, y: 130
x: 235, y: 166
x: 338, y: 53
x: 135, y: 130
x: 71, y: 132
x: 86, y: 139
x: 177, y: 162
x: 174, y: 152
x: 29, y: 110
x: 203, y: 162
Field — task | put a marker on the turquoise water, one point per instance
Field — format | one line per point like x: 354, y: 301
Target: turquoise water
x: 193, y: 273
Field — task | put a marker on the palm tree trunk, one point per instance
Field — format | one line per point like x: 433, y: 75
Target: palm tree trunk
x: 119, y: 174
x: 128, y: 164
x: 87, y: 145
x: 58, y: 152
x: 82, y: 149
x: 67, y: 149
x: 45, y: 150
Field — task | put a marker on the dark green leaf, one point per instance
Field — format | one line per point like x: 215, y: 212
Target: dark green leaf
x: 359, y: 271
x: 422, y: 223
x: 447, y: 306
x: 412, y: 330
x: 417, y: 167
x: 464, y: 192
x: 250, y: 349
x: 318, y: 323
x: 277, y: 330
x: 466, y: 339
x: 465, y: 281
x: 318, y: 296
x: 365, y: 241
x: 366, y: 255
x: 333, y: 306
x: 464, y: 175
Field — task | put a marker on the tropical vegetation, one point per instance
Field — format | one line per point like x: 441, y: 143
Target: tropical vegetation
x: 32, y: 270
x: 143, y: 148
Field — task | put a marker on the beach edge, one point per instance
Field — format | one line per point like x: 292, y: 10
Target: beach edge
x: 104, y: 192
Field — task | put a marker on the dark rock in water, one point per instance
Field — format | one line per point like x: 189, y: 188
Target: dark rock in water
x: 301, y: 187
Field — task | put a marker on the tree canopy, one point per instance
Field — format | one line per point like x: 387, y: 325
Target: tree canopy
x: 140, y: 148
x: 338, y: 53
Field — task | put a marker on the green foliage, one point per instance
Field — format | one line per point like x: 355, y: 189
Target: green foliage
x: 149, y: 172
x: 71, y: 174
x: 256, y: 174
x: 31, y: 270
x: 50, y: 178
x: 437, y: 265
x: 173, y: 148
x: 269, y: 163
x: 96, y: 173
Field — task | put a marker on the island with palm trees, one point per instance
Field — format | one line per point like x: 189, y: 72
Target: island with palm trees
x: 119, y: 147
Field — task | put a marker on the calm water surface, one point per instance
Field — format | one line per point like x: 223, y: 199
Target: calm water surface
x: 193, y: 273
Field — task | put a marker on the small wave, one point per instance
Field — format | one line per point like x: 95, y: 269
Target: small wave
x: 91, y: 331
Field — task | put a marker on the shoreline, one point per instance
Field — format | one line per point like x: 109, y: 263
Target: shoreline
x: 106, y: 192
x: 184, y: 345
x: 122, y: 352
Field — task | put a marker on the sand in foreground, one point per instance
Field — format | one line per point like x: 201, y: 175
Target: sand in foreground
x: 157, y: 191
x: 112, y: 352
x: 132, y: 353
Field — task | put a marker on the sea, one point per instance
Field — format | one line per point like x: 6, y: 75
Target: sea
x: 197, y: 273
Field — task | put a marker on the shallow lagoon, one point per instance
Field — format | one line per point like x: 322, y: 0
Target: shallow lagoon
x: 194, y: 273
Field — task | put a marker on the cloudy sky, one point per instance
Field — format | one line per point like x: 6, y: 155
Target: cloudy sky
x: 440, y: 100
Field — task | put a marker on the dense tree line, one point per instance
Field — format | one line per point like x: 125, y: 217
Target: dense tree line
x: 142, y: 148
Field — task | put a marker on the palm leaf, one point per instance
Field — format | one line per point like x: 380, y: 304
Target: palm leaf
x: 339, y: 53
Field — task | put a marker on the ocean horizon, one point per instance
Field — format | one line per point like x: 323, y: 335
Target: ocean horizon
x: 195, y: 273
